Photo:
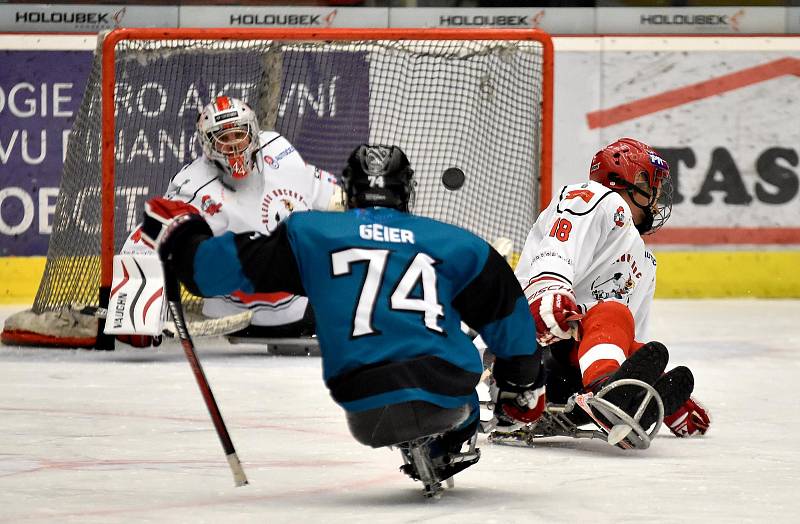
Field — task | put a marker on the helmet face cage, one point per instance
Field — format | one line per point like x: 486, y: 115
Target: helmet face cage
x: 378, y: 176
x: 228, y: 132
x: 635, y: 168
x: 663, y: 205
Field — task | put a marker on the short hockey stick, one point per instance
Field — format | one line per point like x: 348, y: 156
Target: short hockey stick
x: 174, y: 301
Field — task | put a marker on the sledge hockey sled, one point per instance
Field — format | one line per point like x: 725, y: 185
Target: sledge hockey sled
x: 611, y: 423
x: 432, y: 471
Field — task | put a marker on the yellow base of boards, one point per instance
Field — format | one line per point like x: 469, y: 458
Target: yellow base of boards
x: 681, y: 274
x: 724, y: 274
x: 19, y: 279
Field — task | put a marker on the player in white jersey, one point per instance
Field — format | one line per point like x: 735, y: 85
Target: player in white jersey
x: 589, y: 279
x: 248, y: 180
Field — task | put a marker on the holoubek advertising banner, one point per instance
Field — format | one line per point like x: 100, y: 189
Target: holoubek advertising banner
x: 562, y: 20
x: 724, y: 112
x: 280, y: 16
x: 83, y: 18
x: 690, y: 20
x: 553, y: 20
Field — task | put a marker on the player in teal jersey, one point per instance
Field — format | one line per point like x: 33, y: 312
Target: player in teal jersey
x: 389, y: 291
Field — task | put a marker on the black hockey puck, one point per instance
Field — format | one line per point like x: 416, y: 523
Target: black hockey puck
x: 453, y: 178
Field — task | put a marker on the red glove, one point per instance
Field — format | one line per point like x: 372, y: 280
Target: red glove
x: 523, y: 407
x: 162, y: 217
x: 556, y: 317
x: 690, y: 420
x: 140, y: 341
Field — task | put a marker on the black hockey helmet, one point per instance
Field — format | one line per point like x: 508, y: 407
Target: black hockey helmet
x: 377, y: 175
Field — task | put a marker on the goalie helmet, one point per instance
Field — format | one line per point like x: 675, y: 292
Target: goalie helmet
x: 228, y: 132
x: 378, y: 176
x: 635, y: 168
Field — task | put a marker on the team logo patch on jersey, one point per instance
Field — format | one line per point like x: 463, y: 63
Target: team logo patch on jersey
x: 584, y: 194
x: 209, y: 206
x: 279, y: 204
x: 274, y: 163
x: 619, y: 217
x: 622, y: 281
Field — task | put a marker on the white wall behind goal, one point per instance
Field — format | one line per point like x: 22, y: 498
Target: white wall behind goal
x: 724, y: 111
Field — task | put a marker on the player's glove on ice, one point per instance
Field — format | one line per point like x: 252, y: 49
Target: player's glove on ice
x: 690, y: 420
x: 524, y: 407
x: 163, y: 218
x: 515, y: 400
x: 556, y: 316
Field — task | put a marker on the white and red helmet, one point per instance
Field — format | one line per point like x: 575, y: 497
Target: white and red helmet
x: 228, y: 132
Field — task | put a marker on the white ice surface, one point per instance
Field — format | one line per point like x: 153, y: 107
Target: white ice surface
x: 124, y: 436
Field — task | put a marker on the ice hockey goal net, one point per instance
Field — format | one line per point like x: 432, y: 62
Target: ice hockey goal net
x: 476, y: 100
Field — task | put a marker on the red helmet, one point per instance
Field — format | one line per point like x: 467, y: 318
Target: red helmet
x: 617, y: 167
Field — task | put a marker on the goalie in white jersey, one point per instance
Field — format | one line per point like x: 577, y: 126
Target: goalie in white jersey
x: 589, y: 279
x: 248, y: 180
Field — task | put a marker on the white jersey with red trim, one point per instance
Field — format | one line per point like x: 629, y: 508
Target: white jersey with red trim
x: 586, y: 241
x: 281, y: 183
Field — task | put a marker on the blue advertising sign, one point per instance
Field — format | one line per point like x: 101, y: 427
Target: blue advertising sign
x: 40, y: 92
x: 322, y: 107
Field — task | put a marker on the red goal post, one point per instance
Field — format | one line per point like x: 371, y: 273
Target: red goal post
x: 477, y: 99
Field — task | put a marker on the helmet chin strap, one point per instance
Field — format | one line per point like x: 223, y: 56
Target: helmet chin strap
x: 646, y: 224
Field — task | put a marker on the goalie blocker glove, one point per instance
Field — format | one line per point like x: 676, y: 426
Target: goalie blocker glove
x: 163, y: 218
